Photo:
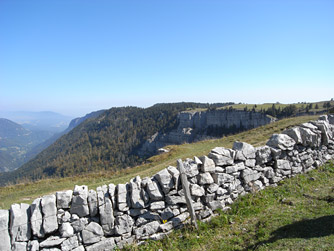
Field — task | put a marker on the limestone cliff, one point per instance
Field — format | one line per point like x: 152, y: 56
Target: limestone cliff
x: 199, y: 125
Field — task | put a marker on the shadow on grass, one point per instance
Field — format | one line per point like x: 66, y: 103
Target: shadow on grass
x: 313, y: 228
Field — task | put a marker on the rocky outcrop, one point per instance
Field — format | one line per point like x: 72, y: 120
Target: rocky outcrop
x: 198, y: 125
x: 149, y: 208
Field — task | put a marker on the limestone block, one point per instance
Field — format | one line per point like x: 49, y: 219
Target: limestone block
x: 214, y: 205
x: 123, y: 197
x: 52, y: 241
x: 135, y: 193
x: 33, y: 245
x: 212, y: 188
x: 250, y: 163
x: 205, y: 178
x: 92, y: 203
x: 175, y: 174
x: 197, y: 161
x: 64, y: 199
x: 197, y: 190
x: 36, y: 218
x: 309, y: 138
x: 106, y: 210
x: 165, y: 180
x: 49, y: 209
x: 169, y: 213
x: 157, y: 205
x: 249, y: 175
x: 20, y: 246
x: 112, y: 194
x: 123, y: 224
x: 269, y: 172
x: 282, y: 164
x: 66, y: 230
x: 208, y: 165
x: 79, y: 201
x: 147, y: 229
x: 20, y: 228
x: 153, y: 189
x: 191, y: 168
x: 79, y: 224
x: 92, y: 233
x: 221, y: 178
x: 4, y: 234
x: 174, y: 199
x: 263, y: 155
x: 105, y: 245
x: 222, y: 156
x: 70, y: 243
x: 295, y: 134
x: 247, y: 150
x: 281, y: 141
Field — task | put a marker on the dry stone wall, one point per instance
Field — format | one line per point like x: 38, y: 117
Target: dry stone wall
x: 150, y: 208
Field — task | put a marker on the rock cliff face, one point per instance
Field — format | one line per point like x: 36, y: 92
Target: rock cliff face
x: 199, y: 125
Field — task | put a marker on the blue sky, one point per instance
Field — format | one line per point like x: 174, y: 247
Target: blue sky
x: 77, y: 56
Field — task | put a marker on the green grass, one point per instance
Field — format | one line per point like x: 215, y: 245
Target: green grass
x: 296, y: 215
x: 28, y: 191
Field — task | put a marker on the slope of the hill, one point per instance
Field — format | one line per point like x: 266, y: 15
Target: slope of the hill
x: 109, y: 142
x: 26, y: 192
x: 15, y: 143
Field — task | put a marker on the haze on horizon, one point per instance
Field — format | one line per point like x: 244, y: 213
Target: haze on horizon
x: 74, y: 57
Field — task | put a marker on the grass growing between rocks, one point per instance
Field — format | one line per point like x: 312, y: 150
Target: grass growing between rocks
x: 296, y: 215
x: 27, y: 191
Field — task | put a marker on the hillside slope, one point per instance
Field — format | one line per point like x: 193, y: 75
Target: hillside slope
x: 109, y: 142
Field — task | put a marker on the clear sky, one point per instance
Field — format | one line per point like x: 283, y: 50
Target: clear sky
x: 77, y: 56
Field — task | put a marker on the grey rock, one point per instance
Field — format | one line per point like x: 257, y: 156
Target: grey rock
x: 70, y: 244
x: 208, y: 165
x: 79, y: 201
x: 66, y: 230
x: 147, y: 229
x: 135, y: 193
x: 221, y: 191
x: 157, y: 205
x: 153, y: 190
x: 123, y: 197
x: 124, y: 224
x: 249, y: 175
x: 4, y: 234
x: 212, y: 188
x: 64, y: 199
x: 49, y: 209
x: 221, y: 178
x: 326, y: 132
x: 281, y: 141
x: 169, y: 212
x: 197, y: 161
x: 79, y: 224
x: 136, y: 212
x: 295, y: 134
x: 191, y: 169
x: 20, y: 228
x: 269, y: 173
x: 92, y: 203
x: 92, y: 233
x: 250, y: 163
x: 80, y: 248
x: 112, y: 194
x: 175, y: 174
x: 216, y: 204
x: 263, y: 155
x: 36, y: 218
x: 220, y: 169
x: 309, y: 138
x: 282, y: 164
x: 222, y: 156
x: 165, y: 180
x: 19, y: 246
x: 173, y: 200
x: 105, y: 245
x: 106, y: 210
x: 52, y: 241
x: 247, y: 150
x: 205, y: 178
x: 197, y: 190
x: 33, y: 245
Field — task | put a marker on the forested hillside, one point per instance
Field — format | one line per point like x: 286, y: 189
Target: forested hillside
x: 108, y: 142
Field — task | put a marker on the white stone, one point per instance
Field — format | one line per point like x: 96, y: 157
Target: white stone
x: 79, y: 201
x: 92, y: 233
x: 36, y: 218
x: 208, y: 165
x: 20, y: 228
x: 92, y: 203
x: 123, y: 224
x: 205, y: 178
x: 105, y: 210
x: 165, y: 180
x: 64, y: 199
x: 49, y: 209
x: 4, y: 234
x: 66, y: 230
x: 281, y: 141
